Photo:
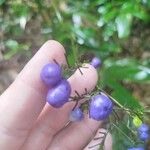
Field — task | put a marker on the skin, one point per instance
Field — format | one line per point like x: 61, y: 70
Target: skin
x: 27, y: 122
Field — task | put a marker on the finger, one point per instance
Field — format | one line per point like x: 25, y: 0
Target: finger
x: 22, y: 102
x: 52, y: 120
x: 76, y: 135
x: 96, y: 142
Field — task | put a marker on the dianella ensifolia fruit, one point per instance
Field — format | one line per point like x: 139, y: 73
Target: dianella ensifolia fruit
x: 59, y: 95
x: 143, y: 132
x: 51, y: 74
x: 76, y: 115
x: 96, y: 62
x: 101, y: 107
x: 59, y: 92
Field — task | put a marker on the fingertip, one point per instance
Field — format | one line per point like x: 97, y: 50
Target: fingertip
x: 92, y: 70
x: 55, y: 44
x: 51, y: 50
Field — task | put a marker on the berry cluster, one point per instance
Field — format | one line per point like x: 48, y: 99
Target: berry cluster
x: 60, y: 89
x: 100, y: 105
x: 97, y: 103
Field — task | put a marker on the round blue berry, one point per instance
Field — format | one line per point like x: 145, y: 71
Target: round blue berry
x: 96, y: 62
x: 76, y: 115
x: 51, y: 74
x: 100, y: 107
x: 59, y: 95
x: 143, y: 128
x: 143, y: 132
x: 143, y: 136
x: 136, y: 148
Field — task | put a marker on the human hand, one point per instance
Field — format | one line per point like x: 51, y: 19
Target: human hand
x: 28, y: 123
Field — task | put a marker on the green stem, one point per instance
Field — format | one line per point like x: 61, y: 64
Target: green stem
x: 123, y: 133
x: 74, y: 48
x: 58, y: 15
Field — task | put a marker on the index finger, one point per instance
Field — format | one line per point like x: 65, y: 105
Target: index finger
x: 23, y: 101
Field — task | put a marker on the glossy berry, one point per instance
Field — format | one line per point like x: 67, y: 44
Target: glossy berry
x: 76, y: 115
x: 143, y: 136
x: 143, y: 128
x: 60, y: 94
x: 136, y: 148
x: 51, y: 74
x: 96, y: 62
x: 143, y: 132
x: 100, y: 107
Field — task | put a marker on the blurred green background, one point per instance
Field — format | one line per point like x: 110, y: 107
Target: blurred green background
x: 117, y: 31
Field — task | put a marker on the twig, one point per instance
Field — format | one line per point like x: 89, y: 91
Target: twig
x: 55, y: 61
x: 67, y: 60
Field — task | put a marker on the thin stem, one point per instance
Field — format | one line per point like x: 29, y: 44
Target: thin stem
x: 123, y: 133
x: 86, y: 91
x: 74, y: 48
x: 58, y: 15
x: 67, y: 60
x: 79, y: 68
x: 98, y: 138
x: 77, y: 93
x: 55, y: 61
x: 75, y: 104
x: 94, y: 145
x: 116, y: 115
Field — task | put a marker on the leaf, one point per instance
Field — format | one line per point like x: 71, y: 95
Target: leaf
x: 100, y: 2
x: 12, y: 44
x: 20, y: 9
x: 124, y: 70
x: 123, y: 24
x: 123, y: 96
x: 105, y: 10
x: 14, y: 47
x: 135, y: 9
x: 2, y: 1
x: 127, y: 70
x: 71, y: 59
x: 109, y: 31
x: 121, y: 135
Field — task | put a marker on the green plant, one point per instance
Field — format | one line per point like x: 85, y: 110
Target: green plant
x: 97, y: 27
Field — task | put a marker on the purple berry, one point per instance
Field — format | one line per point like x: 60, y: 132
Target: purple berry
x: 96, y: 62
x: 143, y: 132
x: 143, y: 136
x: 51, y: 74
x: 143, y: 128
x: 76, y: 115
x: 100, y: 107
x: 136, y: 148
x: 60, y: 94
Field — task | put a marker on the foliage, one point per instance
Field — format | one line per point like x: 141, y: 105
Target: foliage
x: 97, y: 26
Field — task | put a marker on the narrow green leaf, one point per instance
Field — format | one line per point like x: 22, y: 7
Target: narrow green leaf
x: 127, y: 70
x: 123, y: 24
x: 124, y: 97
x: 121, y: 134
x: 2, y: 1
